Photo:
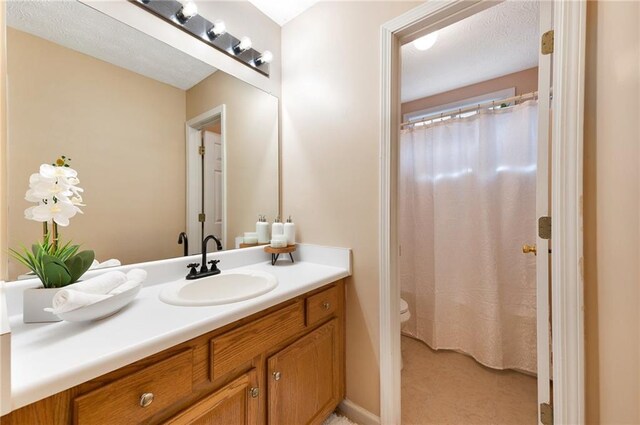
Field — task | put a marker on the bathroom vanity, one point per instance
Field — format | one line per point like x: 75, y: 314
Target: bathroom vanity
x: 278, y: 359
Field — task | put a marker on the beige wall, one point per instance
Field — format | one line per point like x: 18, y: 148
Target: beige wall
x: 251, y: 144
x: 524, y: 82
x: 3, y: 145
x: 330, y: 123
x: 125, y: 135
x: 612, y: 212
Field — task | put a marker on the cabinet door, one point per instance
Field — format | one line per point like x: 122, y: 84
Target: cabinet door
x: 234, y: 404
x: 304, y: 378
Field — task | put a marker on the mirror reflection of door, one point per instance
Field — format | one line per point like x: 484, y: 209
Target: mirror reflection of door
x: 212, y: 190
x: 206, y: 176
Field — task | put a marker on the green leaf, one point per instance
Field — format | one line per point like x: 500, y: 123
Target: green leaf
x: 55, y: 272
x: 79, y: 264
x: 66, y: 251
x: 22, y: 258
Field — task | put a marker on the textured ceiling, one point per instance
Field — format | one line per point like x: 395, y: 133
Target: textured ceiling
x: 81, y: 28
x: 497, y: 41
x: 282, y: 11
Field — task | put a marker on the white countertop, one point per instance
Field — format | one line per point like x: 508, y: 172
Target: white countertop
x: 52, y: 357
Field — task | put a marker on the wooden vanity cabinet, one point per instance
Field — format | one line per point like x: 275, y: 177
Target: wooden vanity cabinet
x: 234, y: 404
x: 304, y: 378
x: 281, y: 366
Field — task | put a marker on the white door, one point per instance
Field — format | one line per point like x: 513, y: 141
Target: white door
x: 543, y: 211
x: 213, y: 186
x: 194, y: 189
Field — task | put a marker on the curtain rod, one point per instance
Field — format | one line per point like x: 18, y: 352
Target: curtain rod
x: 477, y: 107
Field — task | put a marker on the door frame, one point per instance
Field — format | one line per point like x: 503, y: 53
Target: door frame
x: 193, y: 173
x: 567, y: 289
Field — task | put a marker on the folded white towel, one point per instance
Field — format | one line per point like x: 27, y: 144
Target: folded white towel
x: 67, y: 299
x: 102, y: 284
x: 124, y: 287
x: 138, y: 275
x: 96, y: 289
x: 135, y: 277
x: 109, y: 263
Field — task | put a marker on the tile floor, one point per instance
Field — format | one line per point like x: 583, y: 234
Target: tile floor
x: 445, y: 387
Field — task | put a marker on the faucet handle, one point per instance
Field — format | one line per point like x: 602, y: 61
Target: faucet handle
x: 214, y: 264
x: 193, y: 266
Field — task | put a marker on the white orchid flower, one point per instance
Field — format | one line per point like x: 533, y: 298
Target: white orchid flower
x: 49, y: 190
x: 36, y: 178
x: 77, y: 201
x: 51, y: 171
x: 60, y: 212
x: 32, y: 197
x: 55, y: 190
x: 76, y: 190
x: 28, y: 213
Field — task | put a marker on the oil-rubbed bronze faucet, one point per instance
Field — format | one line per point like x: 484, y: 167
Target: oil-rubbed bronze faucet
x: 204, y: 270
x: 183, y: 239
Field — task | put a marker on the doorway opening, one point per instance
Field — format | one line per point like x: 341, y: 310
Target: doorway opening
x: 466, y: 205
x: 463, y: 182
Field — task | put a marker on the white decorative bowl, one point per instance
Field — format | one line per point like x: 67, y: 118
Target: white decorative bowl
x: 101, y: 309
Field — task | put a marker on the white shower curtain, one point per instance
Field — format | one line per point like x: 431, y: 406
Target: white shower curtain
x: 467, y: 204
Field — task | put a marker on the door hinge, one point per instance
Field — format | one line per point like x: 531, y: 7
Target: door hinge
x: 546, y: 44
x: 544, y: 227
x: 201, y: 150
x: 202, y: 218
x: 546, y: 414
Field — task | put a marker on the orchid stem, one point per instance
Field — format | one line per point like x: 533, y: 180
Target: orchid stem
x: 54, y: 232
x: 45, y: 230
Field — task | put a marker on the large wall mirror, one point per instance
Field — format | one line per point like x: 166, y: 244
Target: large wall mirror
x: 159, y: 139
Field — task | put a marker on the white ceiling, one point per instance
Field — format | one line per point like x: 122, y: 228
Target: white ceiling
x: 81, y: 28
x: 495, y: 42
x: 282, y: 11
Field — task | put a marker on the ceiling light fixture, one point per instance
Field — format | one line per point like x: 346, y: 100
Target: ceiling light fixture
x: 183, y: 14
x: 426, y: 42
x: 187, y: 11
x: 266, y: 57
x: 244, y: 44
x: 217, y: 30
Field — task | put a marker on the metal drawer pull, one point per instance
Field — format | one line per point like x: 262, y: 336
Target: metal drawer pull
x: 276, y: 376
x: 254, y: 392
x: 146, y: 399
x: 326, y: 305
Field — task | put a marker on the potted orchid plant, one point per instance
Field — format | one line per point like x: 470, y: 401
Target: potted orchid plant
x: 55, y: 191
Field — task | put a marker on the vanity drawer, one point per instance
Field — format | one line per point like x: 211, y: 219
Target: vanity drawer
x: 322, y: 305
x: 242, y: 344
x: 163, y: 383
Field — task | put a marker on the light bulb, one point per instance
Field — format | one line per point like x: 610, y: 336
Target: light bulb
x: 426, y: 42
x: 245, y: 44
x: 217, y: 29
x: 266, y: 57
x: 187, y: 11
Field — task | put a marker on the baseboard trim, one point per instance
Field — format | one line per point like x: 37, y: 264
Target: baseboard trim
x: 357, y: 413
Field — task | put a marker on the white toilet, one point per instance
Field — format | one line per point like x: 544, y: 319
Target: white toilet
x: 405, y: 315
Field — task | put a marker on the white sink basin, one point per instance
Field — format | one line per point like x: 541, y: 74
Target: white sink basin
x: 225, y: 288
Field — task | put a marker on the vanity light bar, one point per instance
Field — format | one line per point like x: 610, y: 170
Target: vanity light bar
x: 184, y: 15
